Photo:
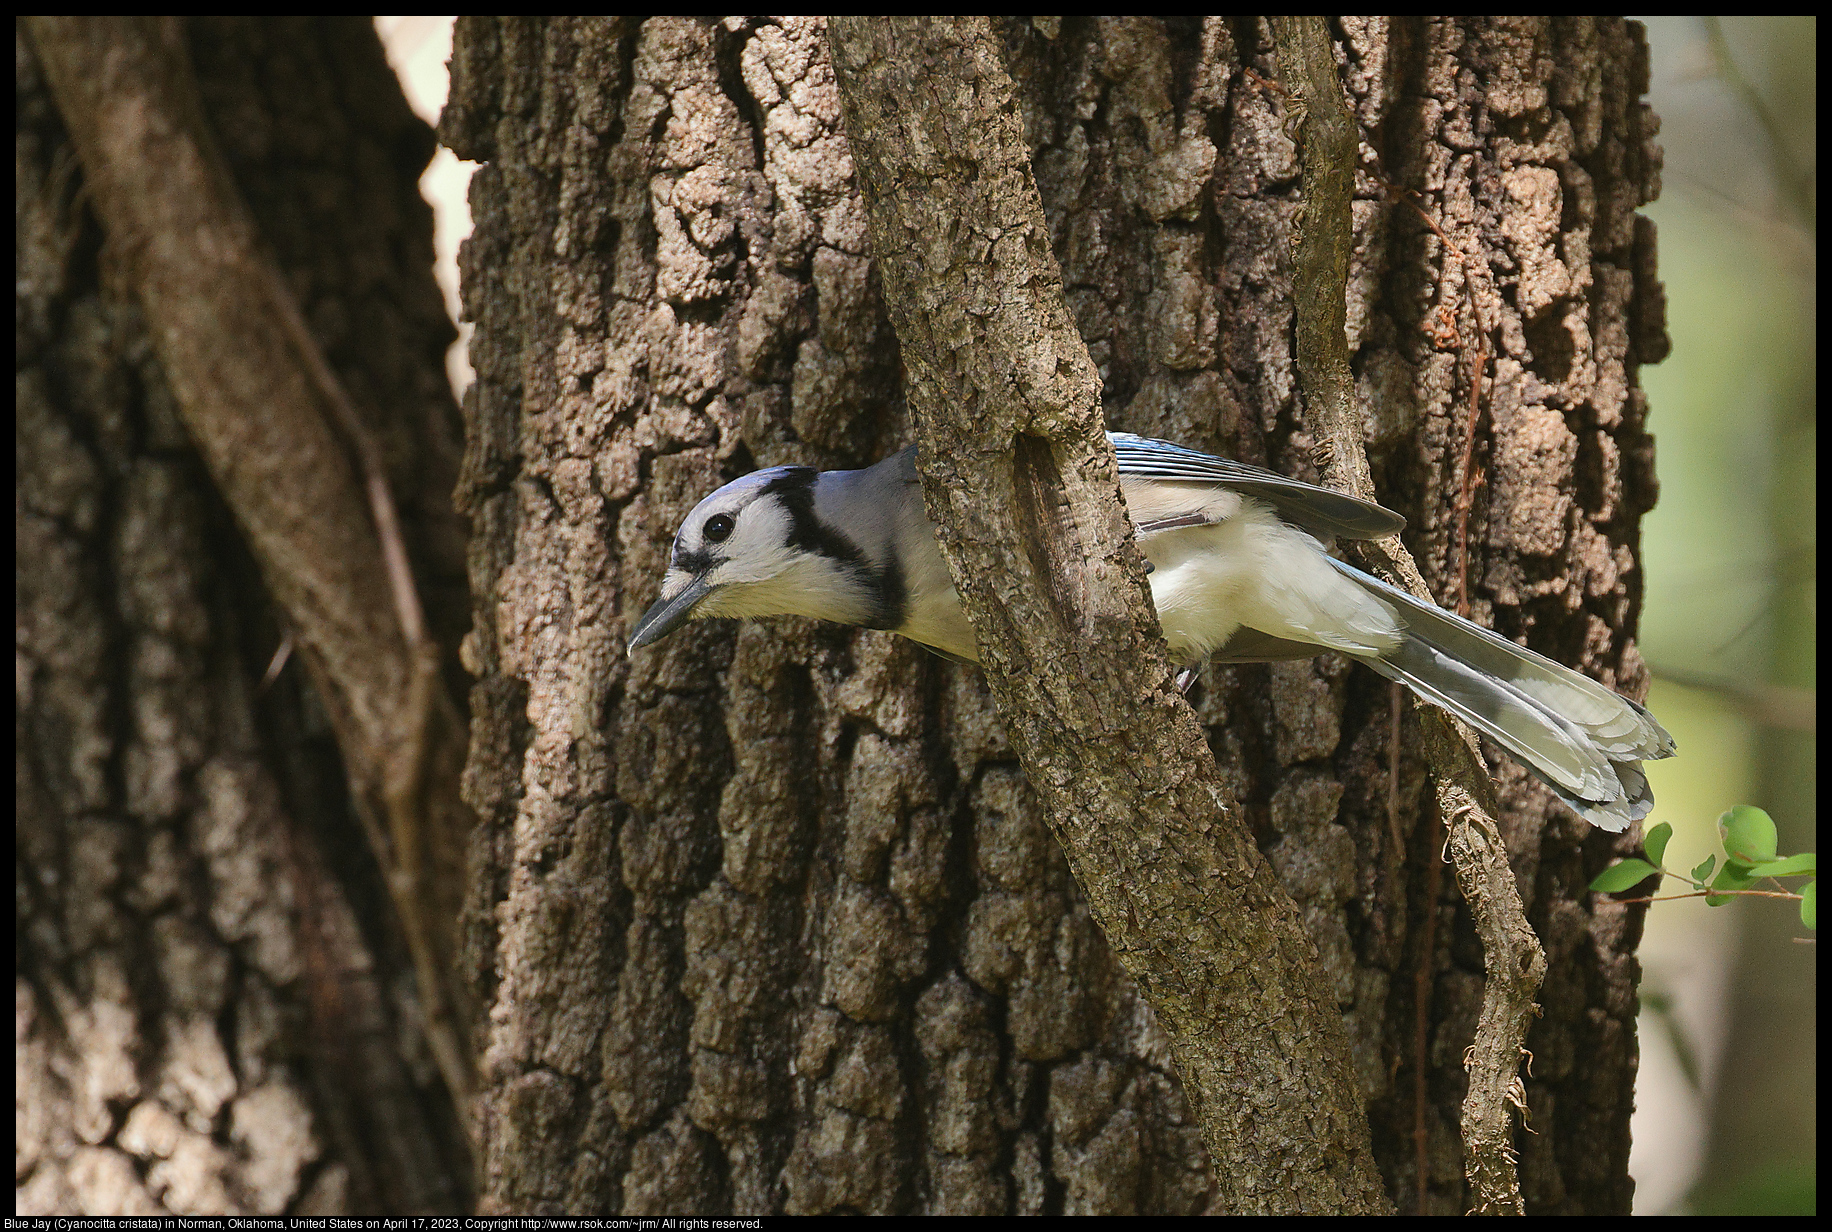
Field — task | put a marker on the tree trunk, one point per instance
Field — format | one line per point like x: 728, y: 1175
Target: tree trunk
x: 1024, y: 489
x: 217, y: 1013
x: 775, y: 923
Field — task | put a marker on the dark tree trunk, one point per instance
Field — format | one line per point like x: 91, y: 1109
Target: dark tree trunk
x: 216, y: 1012
x: 775, y: 923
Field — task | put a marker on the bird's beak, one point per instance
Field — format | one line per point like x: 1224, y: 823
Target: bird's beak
x: 669, y: 613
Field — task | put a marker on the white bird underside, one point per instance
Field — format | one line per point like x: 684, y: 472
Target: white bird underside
x: 1245, y: 568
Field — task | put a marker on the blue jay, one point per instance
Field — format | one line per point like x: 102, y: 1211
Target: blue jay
x: 1239, y: 571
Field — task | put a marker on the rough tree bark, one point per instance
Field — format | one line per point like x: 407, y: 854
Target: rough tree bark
x: 1514, y: 963
x: 1024, y: 488
x: 216, y: 1010
x: 775, y: 924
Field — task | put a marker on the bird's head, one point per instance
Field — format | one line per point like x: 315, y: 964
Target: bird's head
x: 758, y: 547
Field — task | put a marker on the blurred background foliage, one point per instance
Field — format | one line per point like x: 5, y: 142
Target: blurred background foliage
x: 1726, y: 1104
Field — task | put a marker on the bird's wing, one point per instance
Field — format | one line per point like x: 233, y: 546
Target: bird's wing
x: 1252, y: 646
x: 1322, y: 512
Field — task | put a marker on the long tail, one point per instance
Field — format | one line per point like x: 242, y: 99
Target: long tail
x: 1583, y: 740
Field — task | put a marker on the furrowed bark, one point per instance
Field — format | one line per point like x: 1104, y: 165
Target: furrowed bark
x: 772, y: 920
x: 279, y: 435
x: 217, y: 1011
x: 1513, y: 962
x: 1023, y: 485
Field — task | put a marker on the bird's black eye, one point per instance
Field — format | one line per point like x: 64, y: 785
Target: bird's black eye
x: 718, y: 528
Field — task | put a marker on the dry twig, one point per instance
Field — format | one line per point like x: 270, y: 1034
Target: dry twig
x: 1513, y: 960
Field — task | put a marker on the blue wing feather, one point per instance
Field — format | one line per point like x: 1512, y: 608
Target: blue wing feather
x: 1321, y: 511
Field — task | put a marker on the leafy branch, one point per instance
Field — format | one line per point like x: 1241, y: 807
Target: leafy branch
x: 1749, y: 857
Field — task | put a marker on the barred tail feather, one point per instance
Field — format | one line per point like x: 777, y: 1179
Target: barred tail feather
x: 1583, y: 740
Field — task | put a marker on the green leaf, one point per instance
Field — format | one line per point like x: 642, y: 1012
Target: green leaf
x: 1809, y: 905
x: 1655, y: 844
x: 1622, y: 876
x: 1792, y: 866
x: 1704, y: 870
x: 1749, y: 834
x: 1735, y: 875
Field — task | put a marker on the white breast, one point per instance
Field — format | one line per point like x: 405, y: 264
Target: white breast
x: 1254, y: 570
x: 1245, y: 568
